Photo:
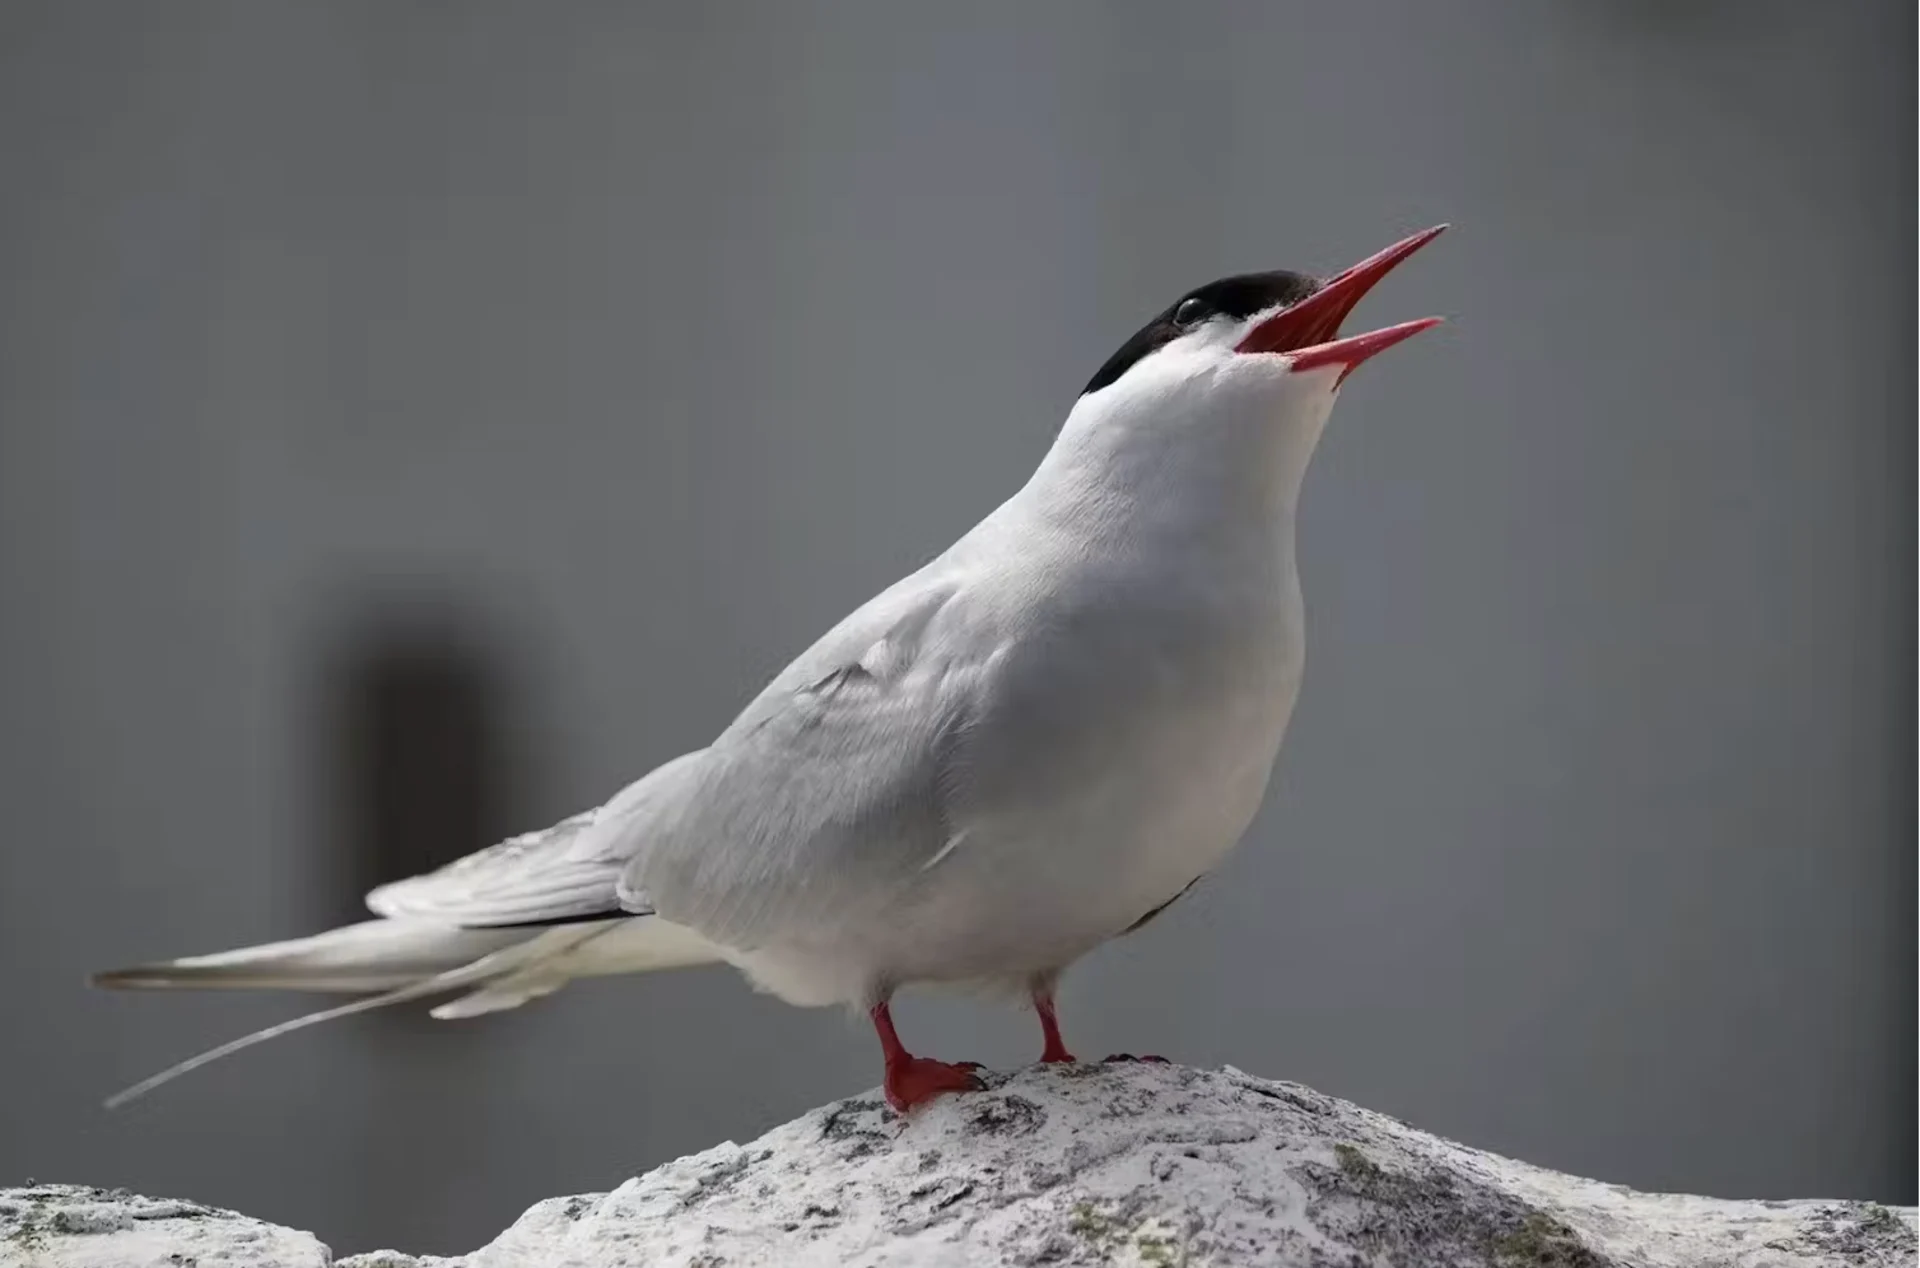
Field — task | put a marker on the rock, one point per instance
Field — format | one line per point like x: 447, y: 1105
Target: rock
x: 67, y: 1226
x: 1058, y: 1166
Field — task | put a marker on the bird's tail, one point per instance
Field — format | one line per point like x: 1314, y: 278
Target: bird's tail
x: 404, y: 960
x: 374, y: 955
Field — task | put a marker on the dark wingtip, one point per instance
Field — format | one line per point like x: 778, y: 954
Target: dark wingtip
x: 140, y: 977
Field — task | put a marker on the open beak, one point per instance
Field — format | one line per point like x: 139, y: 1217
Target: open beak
x: 1308, y: 333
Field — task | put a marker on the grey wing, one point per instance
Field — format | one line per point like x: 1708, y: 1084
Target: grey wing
x: 830, y: 788
x: 832, y: 791
x: 568, y: 872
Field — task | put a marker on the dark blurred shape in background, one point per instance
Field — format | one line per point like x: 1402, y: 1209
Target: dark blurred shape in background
x: 416, y: 421
x: 421, y: 749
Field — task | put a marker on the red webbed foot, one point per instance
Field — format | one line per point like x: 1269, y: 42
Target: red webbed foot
x: 913, y: 1081
x: 916, y: 1080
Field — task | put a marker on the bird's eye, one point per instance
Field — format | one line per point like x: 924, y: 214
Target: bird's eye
x: 1190, y: 312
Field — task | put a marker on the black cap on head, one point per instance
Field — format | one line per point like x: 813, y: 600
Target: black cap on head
x: 1238, y: 297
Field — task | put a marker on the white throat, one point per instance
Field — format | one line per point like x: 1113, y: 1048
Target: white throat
x: 1220, y: 446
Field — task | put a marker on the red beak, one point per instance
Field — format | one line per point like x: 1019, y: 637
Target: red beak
x: 1308, y: 332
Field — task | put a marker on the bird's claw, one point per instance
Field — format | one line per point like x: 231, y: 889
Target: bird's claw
x: 917, y: 1080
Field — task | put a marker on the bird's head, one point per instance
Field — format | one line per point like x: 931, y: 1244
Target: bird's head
x: 1262, y: 348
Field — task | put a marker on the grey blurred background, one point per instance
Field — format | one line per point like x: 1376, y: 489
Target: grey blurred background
x: 416, y: 420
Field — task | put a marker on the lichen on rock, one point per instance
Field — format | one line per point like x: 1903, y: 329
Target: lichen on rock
x: 1145, y: 1165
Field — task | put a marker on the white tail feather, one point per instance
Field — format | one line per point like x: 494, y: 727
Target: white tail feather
x: 504, y: 963
x: 508, y: 992
x: 409, y: 960
x: 429, y: 987
x: 629, y: 946
x: 374, y: 955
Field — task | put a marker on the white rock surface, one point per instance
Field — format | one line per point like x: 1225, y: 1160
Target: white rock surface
x: 66, y: 1226
x: 1058, y: 1166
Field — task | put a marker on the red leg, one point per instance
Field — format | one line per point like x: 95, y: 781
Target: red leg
x: 915, y: 1080
x: 1054, y: 1050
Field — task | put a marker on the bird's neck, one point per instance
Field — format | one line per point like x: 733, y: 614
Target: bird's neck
x: 1228, y: 472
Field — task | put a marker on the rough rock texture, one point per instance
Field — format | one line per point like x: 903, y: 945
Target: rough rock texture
x: 66, y: 1226
x: 1058, y: 1166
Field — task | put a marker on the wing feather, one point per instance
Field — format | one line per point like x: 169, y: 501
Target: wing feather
x: 558, y: 875
x: 830, y: 792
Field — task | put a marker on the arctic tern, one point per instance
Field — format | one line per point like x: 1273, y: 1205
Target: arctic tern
x: 1033, y: 744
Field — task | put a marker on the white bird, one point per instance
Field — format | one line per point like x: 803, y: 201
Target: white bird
x: 1031, y: 745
